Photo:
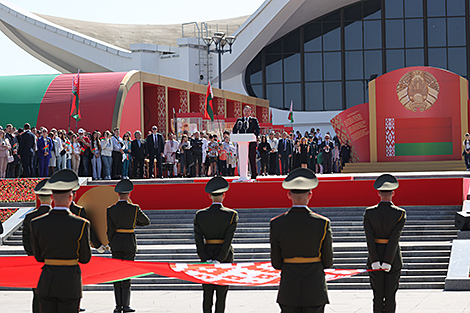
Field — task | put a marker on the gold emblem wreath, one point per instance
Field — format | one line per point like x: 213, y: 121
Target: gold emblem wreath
x: 417, y: 90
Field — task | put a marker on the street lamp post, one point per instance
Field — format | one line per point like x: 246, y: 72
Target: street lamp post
x: 220, y: 41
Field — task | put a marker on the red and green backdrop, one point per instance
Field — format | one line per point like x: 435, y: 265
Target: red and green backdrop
x: 414, y: 114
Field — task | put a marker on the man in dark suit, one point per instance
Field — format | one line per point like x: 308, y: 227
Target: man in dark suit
x: 138, y: 154
x: 60, y: 240
x: 383, y: 224
x: 123, y: 217
x: 196, y: 151
x: 155, y: 146
x: 248, y: 125
x: 326, y: 148
x: 285, y: 152
x: 301, y: 247
x: 45, y: 201
x: 214, y: 228
x: 26, y: 152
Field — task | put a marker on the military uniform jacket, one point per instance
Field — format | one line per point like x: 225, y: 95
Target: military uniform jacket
x: 80, y: 211
x: 384, y: 221
x: 43, y: 209
x: 60, y: 235
x: 215, y: 222
x: 124, y: 215
x: 301, y: 233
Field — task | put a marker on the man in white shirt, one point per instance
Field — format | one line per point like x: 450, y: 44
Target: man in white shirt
x: 273, y: 155
x: 171, y: 146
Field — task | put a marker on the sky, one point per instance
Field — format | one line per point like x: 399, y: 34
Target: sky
x: 15, y: 61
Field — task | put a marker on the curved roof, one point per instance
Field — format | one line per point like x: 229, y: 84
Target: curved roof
x: 123, y: 35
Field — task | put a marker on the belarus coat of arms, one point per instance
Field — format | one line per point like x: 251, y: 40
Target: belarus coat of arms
x: 417, y: 90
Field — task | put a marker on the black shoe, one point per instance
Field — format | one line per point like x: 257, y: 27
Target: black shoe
x: 118, y: 309
x: 82, y: 310
x: 128, y: 309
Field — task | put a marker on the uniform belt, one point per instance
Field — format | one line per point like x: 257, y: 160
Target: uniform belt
x: 59, y: 262
x: 214, y: 241
x: 382, y: 241
x: 302, y: 260
x: 128, y: 231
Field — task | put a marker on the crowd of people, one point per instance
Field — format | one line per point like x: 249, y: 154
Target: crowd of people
x: 38, y: 152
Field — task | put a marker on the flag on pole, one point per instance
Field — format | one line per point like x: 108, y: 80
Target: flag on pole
x: 209, y: 108
x: 75, y: 108
x: 291, y: 112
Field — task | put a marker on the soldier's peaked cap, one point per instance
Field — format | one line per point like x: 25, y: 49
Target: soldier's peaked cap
x: 63, y: 180
x: 217, y: 185
x: 40, y: 190
x: 124, y: 186
x: 302, y: 179
x: 386, y: 182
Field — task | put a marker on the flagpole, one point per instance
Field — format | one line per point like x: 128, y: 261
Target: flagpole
x: 71, y: 101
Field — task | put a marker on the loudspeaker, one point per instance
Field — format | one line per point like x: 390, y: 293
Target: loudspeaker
x: 462, y: 220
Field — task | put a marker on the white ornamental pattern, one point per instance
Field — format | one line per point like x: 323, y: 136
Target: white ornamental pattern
x: 202, y: 102
x: 390, y: 137
x: 237, y: 109
x: 221, y: 106
x: 265, y: 115
x: 183, y: 101
x: 161, y: 108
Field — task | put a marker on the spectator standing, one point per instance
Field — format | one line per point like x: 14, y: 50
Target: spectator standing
x: 26, y: 152
x: 75, y: 154
x: 155, y: 147
x: 44, y: 146
x: 117, y: 154
x: 85, y: 153
x: 126, y: 159
x: 327, y: 150
x: 222, y: 160
x: 296, y: 155
x: 313, y: 152
x: 264, y: 147
x: 96, y: 155
x: 61, y: 159
x: 285, y: 152
x: 345, y: 153
x: 466, y: 151
x: 12, y: 167
x: 106, y: 154
x: 138, y: 154
x: 68, y: 150
x: 170, y: 150
x: 196, y: 150
x: 231, y: 155
x: 54, y: 153
x: 304, y: 152
x: 273, y: 155
x: 212, y: 154
x: 5, y: 147
x: 187, y: 156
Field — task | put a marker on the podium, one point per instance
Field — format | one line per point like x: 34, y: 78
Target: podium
x: 243, y: 141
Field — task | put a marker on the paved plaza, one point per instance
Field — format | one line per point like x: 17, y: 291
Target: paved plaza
x: 350, y: 301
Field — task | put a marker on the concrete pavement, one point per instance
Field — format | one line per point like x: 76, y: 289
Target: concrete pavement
x: 342, y: 301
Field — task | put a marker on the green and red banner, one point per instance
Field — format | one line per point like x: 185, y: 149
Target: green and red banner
x: 75, y: 107
x: 24, y: 272
x: 209, y: 107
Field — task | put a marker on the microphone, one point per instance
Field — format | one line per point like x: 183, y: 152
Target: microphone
x: 239, y: 126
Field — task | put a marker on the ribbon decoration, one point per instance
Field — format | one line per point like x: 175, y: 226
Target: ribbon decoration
x: 24, y: 272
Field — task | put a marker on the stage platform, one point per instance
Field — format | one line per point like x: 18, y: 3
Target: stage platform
x: 334, y: 190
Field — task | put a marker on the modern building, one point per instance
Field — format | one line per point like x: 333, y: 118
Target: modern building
x: 317, y: 54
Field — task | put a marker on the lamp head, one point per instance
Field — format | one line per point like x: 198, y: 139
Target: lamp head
x: 230, y: 39
x: 219, y: 34
x: 207, y: 40
x: 216, y: 39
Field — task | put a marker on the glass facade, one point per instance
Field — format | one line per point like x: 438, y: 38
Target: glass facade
x: 326, y: 64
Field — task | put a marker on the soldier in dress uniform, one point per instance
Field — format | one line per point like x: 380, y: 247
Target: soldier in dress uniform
x: 301, y: 247
x: 383, y: 224
x: 45, y: 200
x: 60, y: 239
x: 123, y: 217
x: 214, y: 228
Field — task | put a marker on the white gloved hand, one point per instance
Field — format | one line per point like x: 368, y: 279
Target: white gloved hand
x: 209, y: 261
x: 386, y: 267
x: 376, y: 265
x: 101, y: 249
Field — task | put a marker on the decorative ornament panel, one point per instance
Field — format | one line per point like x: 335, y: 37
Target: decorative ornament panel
x: 161, y: 108
x: 390, y: 137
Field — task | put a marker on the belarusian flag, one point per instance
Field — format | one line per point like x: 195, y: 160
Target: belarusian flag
x: 209, y: 108
x: 291, y: 112
x: 75, y: 109
x: 423, y: 136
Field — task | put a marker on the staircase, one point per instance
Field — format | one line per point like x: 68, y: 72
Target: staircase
x: 426, y: 242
